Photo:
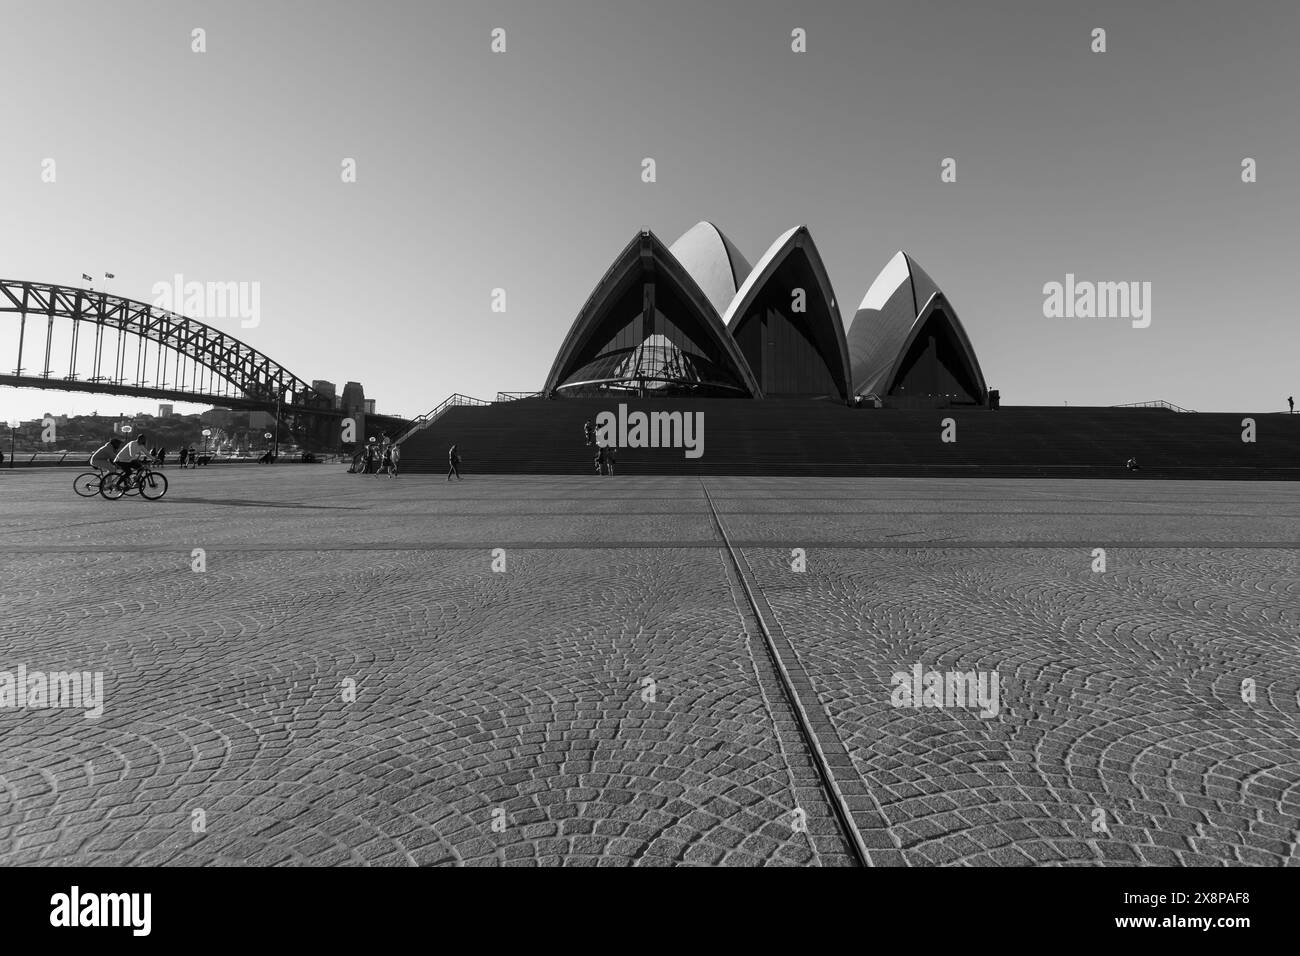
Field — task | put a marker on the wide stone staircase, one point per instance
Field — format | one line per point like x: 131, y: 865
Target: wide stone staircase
x: 808, y: 437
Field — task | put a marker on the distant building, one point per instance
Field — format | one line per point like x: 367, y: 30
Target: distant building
x: 165, y: 411
x: 354, y: 407
x: 370, y: 406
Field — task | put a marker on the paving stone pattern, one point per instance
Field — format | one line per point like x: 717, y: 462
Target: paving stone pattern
x: 610, y: 698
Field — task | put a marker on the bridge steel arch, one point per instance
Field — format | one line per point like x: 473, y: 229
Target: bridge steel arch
x: 203, y: 363
x: 190, y: 361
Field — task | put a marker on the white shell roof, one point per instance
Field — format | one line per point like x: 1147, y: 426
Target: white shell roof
x: 889, y: 317
x: 713, y: 261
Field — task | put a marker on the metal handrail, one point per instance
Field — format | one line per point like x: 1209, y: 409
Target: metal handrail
x: 1169, y: 405
x: 429, y: 417
x: 515, y: 396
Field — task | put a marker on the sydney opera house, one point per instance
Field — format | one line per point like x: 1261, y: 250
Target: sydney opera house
x: 695, y: 319
x: 759, y: 361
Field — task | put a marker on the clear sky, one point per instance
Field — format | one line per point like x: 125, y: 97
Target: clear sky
x: 522, y: 170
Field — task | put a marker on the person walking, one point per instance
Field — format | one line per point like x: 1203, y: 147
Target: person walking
x: 181, y: 456
x: 611, y: 453
x: 453, y: 464
x: 394, y: 456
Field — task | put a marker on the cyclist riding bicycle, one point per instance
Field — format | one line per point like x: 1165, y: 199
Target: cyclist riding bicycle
x: 102, y: 459
x: 132, y: 457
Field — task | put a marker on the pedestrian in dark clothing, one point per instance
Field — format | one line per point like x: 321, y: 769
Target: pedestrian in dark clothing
x: 588, y: 433
x: 183, y: 456
x: 387, y: 464
x: 453, y: 464
x: 1290, y: 400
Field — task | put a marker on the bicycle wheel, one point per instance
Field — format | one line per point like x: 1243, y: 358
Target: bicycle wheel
x: 153, y: 485
x: 111, y: 487
x: 87, y: 484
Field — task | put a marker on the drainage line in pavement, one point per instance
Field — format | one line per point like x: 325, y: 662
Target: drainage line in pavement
x: 839, y: 805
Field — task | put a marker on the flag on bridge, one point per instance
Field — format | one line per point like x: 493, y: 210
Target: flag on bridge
x: 87, y: 278
x: 109, y: 275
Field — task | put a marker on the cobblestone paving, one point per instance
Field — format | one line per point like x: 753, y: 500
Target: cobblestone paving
x: 1120, y: 692
x: 526, y: 692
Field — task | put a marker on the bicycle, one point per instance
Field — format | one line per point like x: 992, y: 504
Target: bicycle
x: 86, y: 484
x: 146, y: 482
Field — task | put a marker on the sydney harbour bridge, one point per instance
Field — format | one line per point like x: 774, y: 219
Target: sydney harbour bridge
x: 82, y: 340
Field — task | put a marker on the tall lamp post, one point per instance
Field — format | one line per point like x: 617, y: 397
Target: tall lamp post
x: 206, y: 432
x: 13, y: 435
x: 267, y: 436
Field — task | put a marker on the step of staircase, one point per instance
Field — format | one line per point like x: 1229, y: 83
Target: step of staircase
x: 804, y: 437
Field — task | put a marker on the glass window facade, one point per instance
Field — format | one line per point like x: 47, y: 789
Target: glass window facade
x: 651, y: 340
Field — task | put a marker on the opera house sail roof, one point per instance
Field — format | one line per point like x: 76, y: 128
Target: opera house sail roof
x: 649, y: 328
x: 906, y: 341
x: 787, y: 323
x: 695, y: 319
x: 713, y: 261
